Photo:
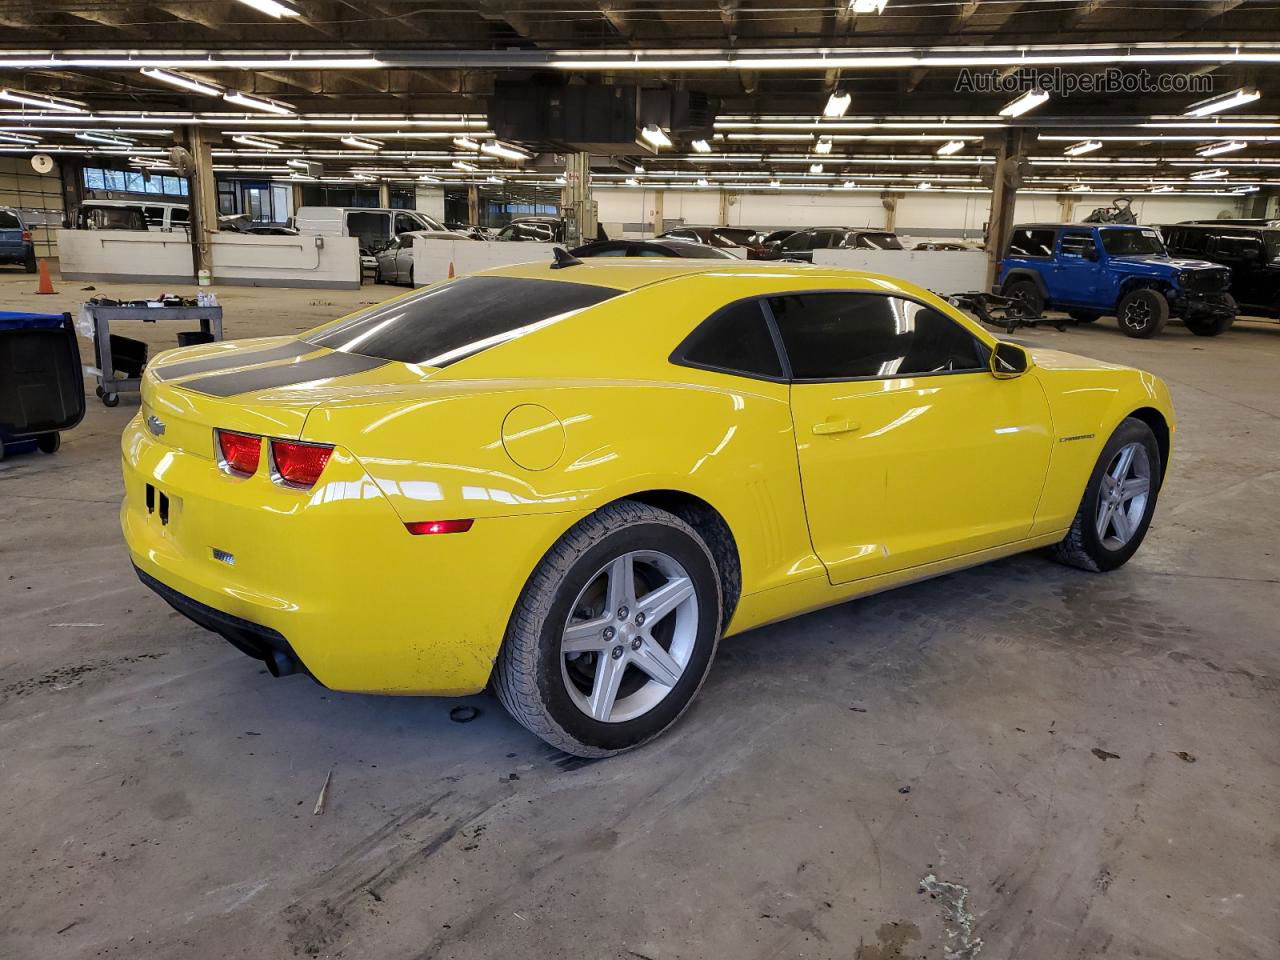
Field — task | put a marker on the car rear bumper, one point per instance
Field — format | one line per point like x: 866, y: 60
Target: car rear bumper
x: 327, y: 581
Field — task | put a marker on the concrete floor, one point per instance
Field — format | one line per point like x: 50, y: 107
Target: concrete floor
x: 1020, y: 761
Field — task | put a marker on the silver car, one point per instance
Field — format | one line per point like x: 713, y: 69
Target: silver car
x: 395, y: 260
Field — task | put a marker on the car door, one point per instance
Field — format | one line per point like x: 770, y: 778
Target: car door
x: 910, y: 451
x: 1243, y: 252
x: 404, y: 258
x: 1075, y: 273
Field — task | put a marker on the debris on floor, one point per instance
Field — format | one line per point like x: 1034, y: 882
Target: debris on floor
x: 324, y: 794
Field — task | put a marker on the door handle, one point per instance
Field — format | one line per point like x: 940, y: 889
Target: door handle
x: 829, y: 427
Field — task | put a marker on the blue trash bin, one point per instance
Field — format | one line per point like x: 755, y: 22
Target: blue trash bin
x: 41, y: 384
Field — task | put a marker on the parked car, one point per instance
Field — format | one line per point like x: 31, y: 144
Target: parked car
x: 1250, y: 252
x: 940, y: 245
x: 801, y: 244
x: 393, y: 263
x: 373, y: 226
x: 1117, y: 270
x: 16, y: 245
x: 132, y: 215
x: 270, y: 230
x: 768, y: 241
x: 722, y: 237
x: 540, y: 229
x: 661, y: 247
x: 566, y: 482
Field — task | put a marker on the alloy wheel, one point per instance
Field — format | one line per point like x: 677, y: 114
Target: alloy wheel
x: 629, y: 637
x: 1122, y: 497
x: 1137, y: 315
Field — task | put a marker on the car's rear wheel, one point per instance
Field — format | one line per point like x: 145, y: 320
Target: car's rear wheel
x: 1118, y: 503
x: 1143, y: 313
x: 1208, y: 326
x: 1029, y: 300
x: 614, y: 632
x: 31, y: 264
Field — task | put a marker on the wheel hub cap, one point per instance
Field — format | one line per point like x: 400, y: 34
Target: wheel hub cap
x: 1122, y: 498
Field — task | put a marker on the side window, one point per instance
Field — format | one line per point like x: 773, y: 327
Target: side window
x: 1079, y: 245
x: 1239, y: 247
x: 611, y: 252
x: 844, y: 336
x: 797, y: 241
x: 405, y: 223
x: 155, y: 217
x: 1031, y: 243
x: 735, y: 339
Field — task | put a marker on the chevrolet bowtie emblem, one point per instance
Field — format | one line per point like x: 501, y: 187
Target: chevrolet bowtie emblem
x: 155, y: 424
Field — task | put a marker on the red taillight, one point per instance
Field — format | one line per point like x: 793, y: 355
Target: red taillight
x: 26, y: 236
x: 438, y: 526
x: 240, y: 452
x: 299, y: 464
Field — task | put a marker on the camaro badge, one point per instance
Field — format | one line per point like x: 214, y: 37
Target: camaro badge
x: 155, y: 424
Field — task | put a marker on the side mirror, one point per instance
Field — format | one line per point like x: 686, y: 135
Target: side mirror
x: 1008, y: 360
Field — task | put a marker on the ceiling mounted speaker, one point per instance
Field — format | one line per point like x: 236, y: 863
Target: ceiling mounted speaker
x: 183, y: 161
x: 42, y: 163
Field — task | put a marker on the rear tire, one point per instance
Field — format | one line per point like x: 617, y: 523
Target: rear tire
x: 578, y: 663
x: 1142, y: 313
x: 31, y: 264
x: 1111, y: 522
x: 49, y: 442
x: 1028, y: 295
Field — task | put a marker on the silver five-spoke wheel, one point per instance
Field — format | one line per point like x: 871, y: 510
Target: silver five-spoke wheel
x: 629, y: 636
x: 1122, y: 499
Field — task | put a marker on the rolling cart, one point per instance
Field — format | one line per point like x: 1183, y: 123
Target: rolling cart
x: 41, y: 385
x: 113, y: 358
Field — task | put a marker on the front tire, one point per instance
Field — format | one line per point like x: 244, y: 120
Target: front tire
x: 614, y: 632
x: 1142, y: 313
x: 1118, y: 502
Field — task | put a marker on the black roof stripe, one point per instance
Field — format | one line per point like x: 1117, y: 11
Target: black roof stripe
x: 227, y: 359
x: 330, y: 365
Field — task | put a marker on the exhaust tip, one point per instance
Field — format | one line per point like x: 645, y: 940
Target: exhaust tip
x: 281, y: 664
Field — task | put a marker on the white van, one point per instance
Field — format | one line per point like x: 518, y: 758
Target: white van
x: 374, y: 226
x: 132, y: 215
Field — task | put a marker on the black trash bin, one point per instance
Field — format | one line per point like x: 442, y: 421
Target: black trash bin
x: 41, y: 384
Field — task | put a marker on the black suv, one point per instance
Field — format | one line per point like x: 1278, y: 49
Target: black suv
x: 801, y: 244
x: 1251, y: 251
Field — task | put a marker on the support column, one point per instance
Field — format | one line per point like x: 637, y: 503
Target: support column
x: 204, y: 205
x: 890, y: 203
x: 656, y: 216
x: 473, y: 205
x: 1004, y: 194
x: 1066, y: 207
x: 724, y: 209
x: 384, y: 194
x: 576, y: 205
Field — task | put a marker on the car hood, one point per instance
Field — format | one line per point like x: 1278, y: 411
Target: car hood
x: 1060, y: 360
x: 1156, y: 262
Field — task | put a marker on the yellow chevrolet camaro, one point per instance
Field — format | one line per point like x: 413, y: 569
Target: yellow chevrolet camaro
x: 570, y: 481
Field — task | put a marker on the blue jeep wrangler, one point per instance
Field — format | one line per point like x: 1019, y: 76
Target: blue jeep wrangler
x: 1124, y: 271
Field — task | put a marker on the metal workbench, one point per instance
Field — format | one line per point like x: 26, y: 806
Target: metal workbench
x: 109, y: 385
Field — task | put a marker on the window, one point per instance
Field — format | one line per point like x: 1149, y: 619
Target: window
x: 405, y: 223
x: 9, y: 221
x: 1031, y: 242
x: 1239, y: 247
x: 872, y: 241
x: 681, y: 235
x: 1078, y: 245
x: 1129, y: 243
x: 442, y: 325
x: 797, y: 241
x: 1187, y: 241
x: 735, y: 339
x: 179, y: 217
x: 844, y: 336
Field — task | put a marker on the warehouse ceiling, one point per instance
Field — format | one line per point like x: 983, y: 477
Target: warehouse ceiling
x: 402, y: 89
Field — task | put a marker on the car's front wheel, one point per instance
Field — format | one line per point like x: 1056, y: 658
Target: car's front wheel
x: 1143, y: 313
x: 614, y: 632
x: 1118, y: 502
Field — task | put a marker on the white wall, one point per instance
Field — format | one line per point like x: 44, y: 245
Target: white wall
x: 920, y: 213
x: 125, y: 255
x: 943, y: 271
x: 430, y: 200
x: 432, y: 258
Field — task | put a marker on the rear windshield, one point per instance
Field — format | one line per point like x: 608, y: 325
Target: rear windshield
x: 876, y: 241
x: 442, y: 325
x: 7, y: 219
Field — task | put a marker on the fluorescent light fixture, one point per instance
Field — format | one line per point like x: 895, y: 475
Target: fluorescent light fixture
x: 466, y: 143
x: 776, y: 184
x: 1078, y: 188
x: 263, y: 142
x: 823, y: 145
x: 1242, y: 190
x: 1210, y: 174
x: 494, y: 180
x: 1226, y: 146
x: 950, y: 147
x: 258, y: 103
x: 1028, y: 101
x: 561, y: 181
x: 496, y: 149
x: 655, y: 136
x: 924, y: 185
x: 428, y: 178
x: 361, y: 143
x: 43, y: 102
x: 848, y: 185
x: 273, y: 8
x: 702, y: 182
x: 837, y: 104
x: 1163, y: 188
x: 639, y: 168
x: 362, y: 176
x: 298, y: 164
x: 701, y: 146
x: 815, y: 168
x: 95, y: 137
x: 463, y: 165
x: 180, y: 80
x: 1084, y: 146
x: 868, y: 6
x: 1227, y: 101
x: 632, y: 182
x: 17, y: 138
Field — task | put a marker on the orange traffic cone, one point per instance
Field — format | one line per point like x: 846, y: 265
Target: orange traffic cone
x: 450, y: 277
x: 46, y: 284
